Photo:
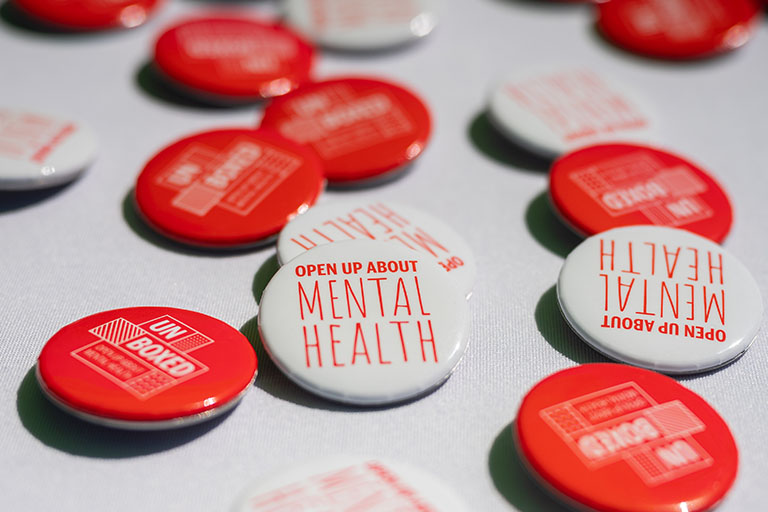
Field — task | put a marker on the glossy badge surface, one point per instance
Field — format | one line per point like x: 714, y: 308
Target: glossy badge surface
x: 660, y: 298
x: 678, y: 29
x: 361, y: 24
x: 39, y: 151
x: 350, y: 484
x: 146, y: 368
x: 603, y: 187
x: 613, y: 437
x: 227, y: 188
x: 228, y: 58
x: 90, y: 14
x: 364, y: 322
x: 556, y: 111
x: 377, y: 220
x: 363, y: 130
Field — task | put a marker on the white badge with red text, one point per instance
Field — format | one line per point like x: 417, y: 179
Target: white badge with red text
x: 364, y: 322
x: 557, y: 111
x: 362, y: 24
x: 39, y: 151
x: 661, y: 298
x: 353, y: 484
x: 377, y: 220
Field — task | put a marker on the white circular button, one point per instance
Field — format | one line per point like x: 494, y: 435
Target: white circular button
x: 39, y: 151
x: 553, y: 112
x: 364, y: 322
x: 377, y: 220
x: 660, y: 298
x: 353, y: 484
x: 361, y: 24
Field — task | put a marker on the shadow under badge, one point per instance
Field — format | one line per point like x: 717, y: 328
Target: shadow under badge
x: 545, y: 226
x: 488, y: 141
x: 57, y: 429
x: 12, y: 200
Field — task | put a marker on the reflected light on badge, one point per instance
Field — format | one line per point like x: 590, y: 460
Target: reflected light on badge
x: 276, y: 88
x: 413, y: 150
x: 211, y: 401
x: 423, y: 24
x: 47, y: 170
x: 133, y: 16
x: 735, y: 37
x: 684, y: 507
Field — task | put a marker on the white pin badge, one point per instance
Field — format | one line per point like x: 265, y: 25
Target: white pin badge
x: 661, y: 298
x: 364, y: 322
x: 386, y: 221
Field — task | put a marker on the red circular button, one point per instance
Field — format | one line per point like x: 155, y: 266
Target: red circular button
x: 607, y: 186
x: 362, y: 129
x: 678, y: 29
x: 146, y: 367
x: 618, y: 438
x: 90, y: 14
x: 228, y: 188
x: 233, y: 58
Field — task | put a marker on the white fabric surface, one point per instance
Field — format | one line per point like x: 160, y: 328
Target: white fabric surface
x: 80, y: 250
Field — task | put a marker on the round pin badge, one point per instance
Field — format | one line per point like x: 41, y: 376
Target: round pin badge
x: 350, y: 483
x: 227, y: 188
x: 233, y: 59
x: 678, y: 29
x: 361, y: 25
x: 606, y: 186
x: 613, y: 437
x: 364, y: 130
x: 39, y: 150
x: 364, y: 322
x: 553, y: 112
x: 661, y: 298
x: 90, y: 14
x: 386, y: 221
x: 146, y: 368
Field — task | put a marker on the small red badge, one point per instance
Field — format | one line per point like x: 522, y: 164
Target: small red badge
x: 90, y: 14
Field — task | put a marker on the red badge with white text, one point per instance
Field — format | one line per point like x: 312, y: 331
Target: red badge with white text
x: 233, y: 58
x: 90, y: 14
x: 678, y: 29
x: 146, y: 367
x: 228, y: 188
x: 606, y: 186
x: 613, y: 437
x: 364, y: 130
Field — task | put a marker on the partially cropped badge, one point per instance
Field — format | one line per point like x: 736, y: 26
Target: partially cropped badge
x: 660, y: 298
x: 376, y: 220
x: 362, y: 24
x: 350, y: 484
x: 613, y: 437
x: 552, y: 112
x: 231, y: 59
x: 606, y: 186
x: 364, y: 322
x: 39, y: 150
x: 228, y: 188
x: 364, y: 130
x: 90, y: 14
x: 678, y: 29
x: 146, y: 368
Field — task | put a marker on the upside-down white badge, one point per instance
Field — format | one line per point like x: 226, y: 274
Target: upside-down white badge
x: 364, y: 322
x: 557, y: 111
x: 39, y: 151
x: 376, y: 220
x: 361, y: 24
x: 661, y: 298
x: 350, y: 483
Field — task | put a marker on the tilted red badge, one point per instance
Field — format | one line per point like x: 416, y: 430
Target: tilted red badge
x: 90, y: 14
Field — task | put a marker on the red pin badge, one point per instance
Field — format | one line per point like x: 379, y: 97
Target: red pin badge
x: 90, y: 14
x: 228, y: 58
x: 146, y: 367
x: 363, y: 130
x: 607, y: 186
x: 614, y: 437
x: 678, y: 29
x: 228, y: 188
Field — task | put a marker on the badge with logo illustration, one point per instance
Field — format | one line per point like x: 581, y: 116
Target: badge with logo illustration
x: 350, y: 484
x: 364, y: 322
x: 340, y: 221
x: 146, y: 368
x: 661, y: 298
x: 614, y: 437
